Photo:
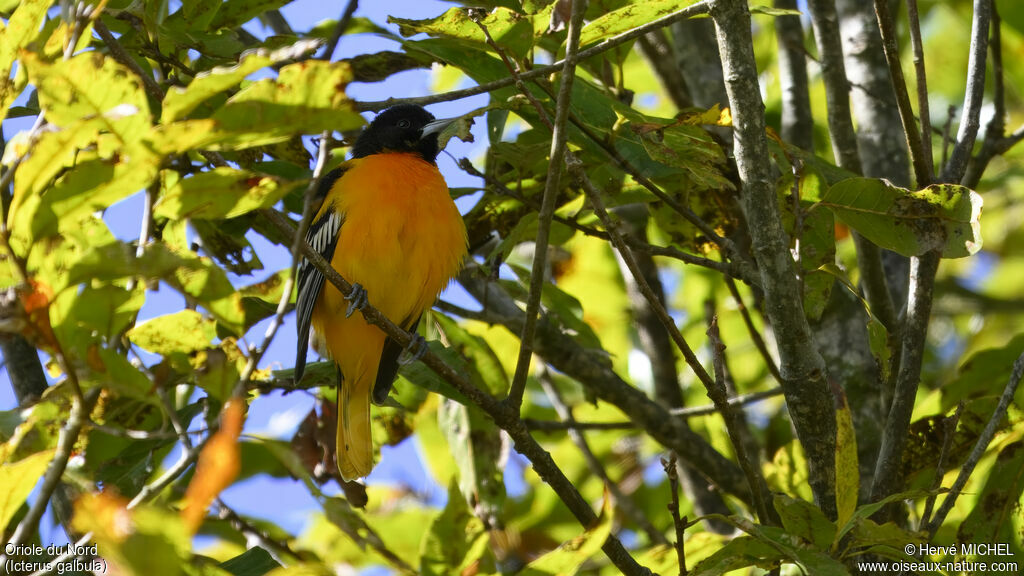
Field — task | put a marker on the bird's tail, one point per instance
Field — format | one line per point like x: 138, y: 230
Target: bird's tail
x: 355, y: 442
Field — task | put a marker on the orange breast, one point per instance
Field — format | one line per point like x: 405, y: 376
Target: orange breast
x: 402, y: 240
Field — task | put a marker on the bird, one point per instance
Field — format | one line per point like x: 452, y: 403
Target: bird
x: 389, y: 226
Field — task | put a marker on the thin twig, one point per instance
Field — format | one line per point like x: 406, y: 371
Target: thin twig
x: 887, y: 478
x: 947, y: 129
x: 755, y: 335
x: 339, y: 30
x: 730, y: 269
x: 679, y: 524
x: 683, y: 413
x: 273, y: 546
x: 979, y: 447
x: 995, y: 132
x: 922, y: 85
x: 974, y: 93
x: 120, y: 55
x: 548, y: 204
x: 738, y: 432
x: 915, y: 147
x: 622, y: 501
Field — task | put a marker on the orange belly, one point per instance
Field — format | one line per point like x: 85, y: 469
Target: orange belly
x: 402, y: 240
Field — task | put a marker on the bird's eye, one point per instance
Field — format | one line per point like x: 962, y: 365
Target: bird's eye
x: 403, y: 124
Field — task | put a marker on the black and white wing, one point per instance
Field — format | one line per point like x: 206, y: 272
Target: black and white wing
x: 322, y: 237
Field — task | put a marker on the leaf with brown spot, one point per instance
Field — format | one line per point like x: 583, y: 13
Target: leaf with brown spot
x: 941, y: 217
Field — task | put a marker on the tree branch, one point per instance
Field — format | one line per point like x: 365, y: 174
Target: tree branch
x: 797, y: 123
x: 922, y: 86
x: 975, y: 93
x: 547, y: 208
x: 922, y: 286
x: 844, y: 145
x: 887, y: 27
x: 802, y: 368
x: 339, y: 30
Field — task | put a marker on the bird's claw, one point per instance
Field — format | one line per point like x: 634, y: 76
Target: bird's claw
x: 356, y: 300
x: 414, y: 351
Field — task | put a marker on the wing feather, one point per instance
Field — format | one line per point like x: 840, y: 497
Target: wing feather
x: 322, y: 236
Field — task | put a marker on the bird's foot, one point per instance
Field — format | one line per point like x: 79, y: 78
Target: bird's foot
x: 356, y: 299
x: 414, y: 351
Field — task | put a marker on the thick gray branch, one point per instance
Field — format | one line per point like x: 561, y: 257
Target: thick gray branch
x: 803, y: 370
x: 797, y: 123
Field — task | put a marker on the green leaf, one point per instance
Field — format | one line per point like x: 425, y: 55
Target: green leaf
x: 738, y: 553
x: 180, y: 102
x: 106, y: 311
x: 199, y: 13
x: 305, y: 98
x: 984, y: 373
x: 454, y: 540
x: 157, y: 543
x: 887, y: 539
x: 510, y: 30
x: 868, y: 510
x: 787, y: 472
x: 17, y: 479
x: 90, y: 186
x: 476, y: 444
x: 940, y: 217
x: 688, y: 147
x: 629, y: 17
x: 183, y: 331
x: 219, y: 193
x: 53, y: 152
x: 997, y: 514
x: 21, y: 28
x: 225, y: 241
x: 803, y: 519
x: 380, y: 65
x: 111, y: 369
x: 568, y: 558
x: 234, y: 13
x: 9, y: 421
x: 486, y: 371
x: 92, y: 85
x: 253, y: 562
x: 847, y: 470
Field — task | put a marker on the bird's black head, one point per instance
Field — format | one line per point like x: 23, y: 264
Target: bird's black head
x: 402, y: 128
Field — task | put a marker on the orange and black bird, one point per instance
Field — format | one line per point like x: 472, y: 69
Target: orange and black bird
x: 387, y: 225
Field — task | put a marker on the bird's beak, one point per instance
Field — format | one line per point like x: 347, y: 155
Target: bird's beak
x: 437, y: 126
